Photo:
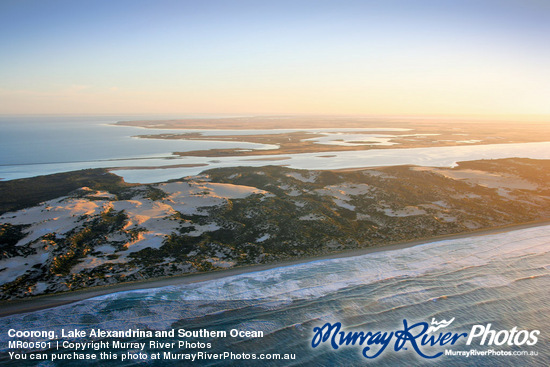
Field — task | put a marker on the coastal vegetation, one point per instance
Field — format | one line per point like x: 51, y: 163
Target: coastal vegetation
x: 25, y: 192
x: 113, y: 232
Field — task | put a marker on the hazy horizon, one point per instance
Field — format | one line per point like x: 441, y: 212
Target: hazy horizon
x: 485, y: 58
x: 465, y: 118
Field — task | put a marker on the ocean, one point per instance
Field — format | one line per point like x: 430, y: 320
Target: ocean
x: 499, y: 279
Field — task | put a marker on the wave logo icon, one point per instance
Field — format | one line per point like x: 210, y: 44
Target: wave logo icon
x: 439, y: 325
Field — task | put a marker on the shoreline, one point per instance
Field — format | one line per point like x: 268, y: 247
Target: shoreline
x: 37, y: 303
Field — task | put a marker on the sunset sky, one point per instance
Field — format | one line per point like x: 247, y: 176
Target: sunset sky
x: 399, y: 57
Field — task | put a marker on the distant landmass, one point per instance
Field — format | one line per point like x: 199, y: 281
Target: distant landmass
x: 403, y: 133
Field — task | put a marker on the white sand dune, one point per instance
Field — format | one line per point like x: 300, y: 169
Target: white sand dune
x: 153, y: 219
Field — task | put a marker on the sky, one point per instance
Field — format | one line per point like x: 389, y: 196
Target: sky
x: 390, y: 57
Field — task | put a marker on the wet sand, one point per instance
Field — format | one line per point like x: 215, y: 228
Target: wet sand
x: 47, y: 301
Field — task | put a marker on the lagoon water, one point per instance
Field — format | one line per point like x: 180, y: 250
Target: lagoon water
x: 77, y: 142
x: 501, y: 279
x: 31, y: 146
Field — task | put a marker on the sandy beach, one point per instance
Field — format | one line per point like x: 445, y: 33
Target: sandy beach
x: 47, y: 301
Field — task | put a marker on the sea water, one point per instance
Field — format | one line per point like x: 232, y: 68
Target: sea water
x: 501, y: 279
